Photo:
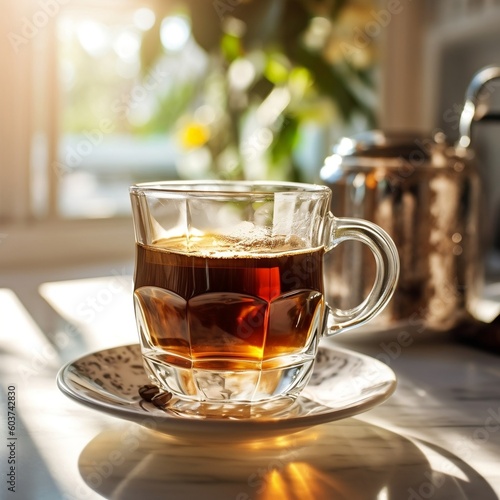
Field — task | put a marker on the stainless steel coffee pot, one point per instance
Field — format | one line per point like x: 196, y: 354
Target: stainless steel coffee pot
x: 426, y: 193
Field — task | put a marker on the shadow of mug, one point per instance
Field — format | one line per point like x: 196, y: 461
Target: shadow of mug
x: 349, y: 459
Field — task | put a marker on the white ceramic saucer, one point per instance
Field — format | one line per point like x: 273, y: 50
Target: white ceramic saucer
x: 343, y: 384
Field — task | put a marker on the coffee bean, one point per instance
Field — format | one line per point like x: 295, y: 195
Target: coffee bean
x: 148, y: 392
x: 161, y: 400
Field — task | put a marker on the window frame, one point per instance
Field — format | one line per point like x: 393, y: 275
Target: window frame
x: 28, y: 240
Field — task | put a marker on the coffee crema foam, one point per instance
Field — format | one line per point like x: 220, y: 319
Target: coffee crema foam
x: 227, y: 247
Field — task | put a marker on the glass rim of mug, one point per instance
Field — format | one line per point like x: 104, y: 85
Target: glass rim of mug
x: 228, y: 188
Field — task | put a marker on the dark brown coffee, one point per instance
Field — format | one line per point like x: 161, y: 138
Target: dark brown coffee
x: 220, y: 309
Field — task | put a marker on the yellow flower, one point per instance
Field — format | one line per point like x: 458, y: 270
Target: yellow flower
x: 194, y: 135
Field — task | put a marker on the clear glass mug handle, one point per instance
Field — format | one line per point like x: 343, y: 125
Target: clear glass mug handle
x: 387, y: 271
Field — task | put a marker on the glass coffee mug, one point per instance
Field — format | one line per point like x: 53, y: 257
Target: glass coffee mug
x: 228, y: 286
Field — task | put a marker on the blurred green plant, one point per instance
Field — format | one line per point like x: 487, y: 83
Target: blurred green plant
x: 273, y: 66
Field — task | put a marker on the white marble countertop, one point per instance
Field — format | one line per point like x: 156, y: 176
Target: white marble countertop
x: 437, y: 437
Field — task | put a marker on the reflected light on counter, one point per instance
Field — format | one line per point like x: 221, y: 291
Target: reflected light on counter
x: 440, y: 466
x: 174, y: 32
x: 99, y: 307
x: 281, y: 444
x: 277, y: 487
x: 14, y: 318
x: 30, y: 361
x: 302, y: 480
